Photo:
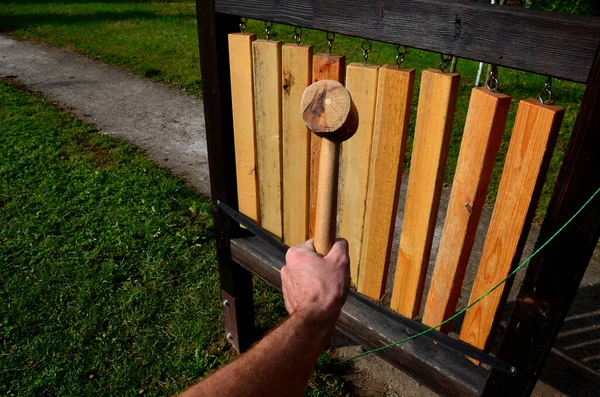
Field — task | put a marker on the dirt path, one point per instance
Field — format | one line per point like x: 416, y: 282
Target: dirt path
x: 169, y: 126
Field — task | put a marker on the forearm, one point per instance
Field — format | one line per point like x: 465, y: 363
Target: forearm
x: 279, y: 365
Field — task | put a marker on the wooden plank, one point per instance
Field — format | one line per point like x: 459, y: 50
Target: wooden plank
x: 529, y: 152
x: 267, y: 104
x: 392, y: 114
x: 296, y: 65
x: 361, y: 82
x: 554, y: 275
x: 437, y: 102
x: 437, y: 365
x: 481, y: 140
x: 547, y: 43
x: 214, y: 61
x: 325, y: 67
x: 242, y: 98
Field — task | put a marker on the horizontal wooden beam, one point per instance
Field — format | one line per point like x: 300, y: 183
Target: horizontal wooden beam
x: 435, y: 365
x: 547, y: 43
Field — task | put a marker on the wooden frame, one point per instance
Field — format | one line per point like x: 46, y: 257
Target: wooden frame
x: 546, y: 43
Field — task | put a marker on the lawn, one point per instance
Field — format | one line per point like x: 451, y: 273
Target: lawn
x: 109, y: 277
x: 158, y: 40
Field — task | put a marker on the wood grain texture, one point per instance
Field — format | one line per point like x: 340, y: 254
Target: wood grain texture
x: 242, y: 102
x: 435, y: 364
x: 296, y: 65
x: 267, y: 106
x: 481, y: 140
x: 213, y: 31
x: 325, y: 221
x: 361, y: 82
x: 392, y: 114
x: 554, y: 275
x: 325, y: 67
x: 547, y: 43
x: 435, y: 113
x: 529, y: 153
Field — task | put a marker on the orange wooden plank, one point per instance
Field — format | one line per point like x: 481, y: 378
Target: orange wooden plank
x: 242, y: 99
x: 325, y: 67
x: 529, y: 153
x: 392, y: 115
x: 296, y: 65
x: 361, y: 82
x: 435, y: 113
x: 267, y: 114
x: 481, y: 140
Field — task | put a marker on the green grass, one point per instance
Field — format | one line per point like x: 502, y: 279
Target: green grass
x: 158, y: 40
x: 109, y: 279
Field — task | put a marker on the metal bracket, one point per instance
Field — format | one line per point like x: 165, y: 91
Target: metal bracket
x: 230, y: 320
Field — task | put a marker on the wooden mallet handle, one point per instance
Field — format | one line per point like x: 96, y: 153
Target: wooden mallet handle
x: 328, y: 111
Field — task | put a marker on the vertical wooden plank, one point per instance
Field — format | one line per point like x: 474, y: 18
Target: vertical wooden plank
x: 267, y: 104
x: 325, y: 67
x: 529, y: 153
x: 242, y: 101
x: 481, y: 140
x: 213, y: 30
x: 437, y: 102
x: 296, y: 66
x: 554, y: 275
x: 361, y: 82
x: 392, y: 114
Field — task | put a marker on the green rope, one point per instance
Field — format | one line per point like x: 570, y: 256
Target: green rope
x: 481, y: 297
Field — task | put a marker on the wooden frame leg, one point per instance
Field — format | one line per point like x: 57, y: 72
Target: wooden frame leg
x: 553, y: 276
x: 236, y: 282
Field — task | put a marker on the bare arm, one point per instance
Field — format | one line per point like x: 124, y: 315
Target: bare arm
x: 314, y: 290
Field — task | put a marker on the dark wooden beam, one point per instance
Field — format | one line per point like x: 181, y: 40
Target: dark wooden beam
x: 547, y: 43
x: 236, y: 282
x: 553, y: 277
x: 435, y: 365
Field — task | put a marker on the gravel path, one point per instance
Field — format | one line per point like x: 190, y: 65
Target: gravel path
x: 167, y: 123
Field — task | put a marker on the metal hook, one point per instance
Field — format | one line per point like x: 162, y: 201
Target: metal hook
x: 268, y: 26
x: 492, y: 81
x: 330, y: 39
x: 298, y: 35
x: 547, y: 90
x: 445, y: 61
x: 243, y: 21
x: 400, y: 54
x: 366, y: 48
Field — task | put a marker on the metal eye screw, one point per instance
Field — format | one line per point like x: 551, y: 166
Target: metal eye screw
x: 330, y: 39
x: 298, y: 35
x: 492, y: 81
x: 445, y: 61
x: 400, y: 54
x: 243, y: 21
x: 546, y: 91
x: 268, y: 26
x: 366, y: 48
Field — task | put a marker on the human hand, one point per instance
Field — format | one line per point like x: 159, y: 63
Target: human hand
x: 316, y: 287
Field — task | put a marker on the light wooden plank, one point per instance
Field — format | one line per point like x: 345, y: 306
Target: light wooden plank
x: 392, y: 114
x: 361, y: 82
x: 435, y: 113
x: 325, y: 67
x: 242, y: 100
x: 267, y: 103
x: 529, y: 153
x: 481, y: 140
x: 296, y: 65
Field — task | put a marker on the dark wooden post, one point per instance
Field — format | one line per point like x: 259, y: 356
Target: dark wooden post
x: 553, y: 276
x: 236, y: 282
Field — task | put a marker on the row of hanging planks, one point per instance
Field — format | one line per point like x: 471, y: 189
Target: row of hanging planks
x: 277, y: 172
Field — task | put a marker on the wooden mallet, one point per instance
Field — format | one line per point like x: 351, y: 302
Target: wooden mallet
x: 328, y: 111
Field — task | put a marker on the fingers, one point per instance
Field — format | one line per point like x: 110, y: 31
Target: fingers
x: 339, y: 252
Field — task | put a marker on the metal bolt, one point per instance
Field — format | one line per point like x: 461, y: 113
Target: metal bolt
x: 513, y: 370
x: 226, y: 303
x: 229, y: 336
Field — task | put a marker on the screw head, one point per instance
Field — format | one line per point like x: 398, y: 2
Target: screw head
x: 226, y: 303
x: 513, y: 370
x: 229, y: 336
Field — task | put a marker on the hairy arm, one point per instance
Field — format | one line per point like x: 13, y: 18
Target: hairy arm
x: 314, y: 290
